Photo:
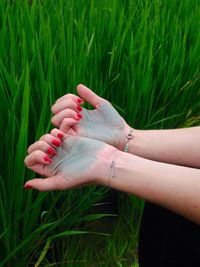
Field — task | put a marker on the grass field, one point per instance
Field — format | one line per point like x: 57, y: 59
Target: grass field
x: 144, y: 57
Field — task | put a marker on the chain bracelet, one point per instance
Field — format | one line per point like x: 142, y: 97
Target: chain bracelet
x: 112, y: 171
x: 128, y: 138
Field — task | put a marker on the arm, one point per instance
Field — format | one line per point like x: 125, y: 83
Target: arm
x: 180, y: 146
x: 80, y: 161
x: 174, y: 187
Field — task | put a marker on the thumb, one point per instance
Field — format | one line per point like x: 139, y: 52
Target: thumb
x: 89, y: 96
x: 47, y: 184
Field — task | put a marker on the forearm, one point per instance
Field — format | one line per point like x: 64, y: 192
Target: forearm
x: 179, y: 146
x: 174, y: 187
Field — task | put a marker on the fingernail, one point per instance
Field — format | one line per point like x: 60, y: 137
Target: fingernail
x: 51, y: 151
x: 27, y: 186
x: 79, y: 108
x: 60, y: 136
x: 80, y: 101
x: 79, y: 115
x: 56, y: 142
x: 77, y: 118
x: 47, y: 159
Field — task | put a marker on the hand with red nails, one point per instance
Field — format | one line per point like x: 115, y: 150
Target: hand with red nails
x: 103, y: 123
x: 78, y: 161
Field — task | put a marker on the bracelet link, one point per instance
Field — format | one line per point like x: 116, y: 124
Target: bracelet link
x: 112, y: 172
x: 129, y: 136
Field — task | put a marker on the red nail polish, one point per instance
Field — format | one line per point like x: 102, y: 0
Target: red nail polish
x: 27, y: 186
x: 60, y: 136
x: 51, y: 151
x: 77, y: 118
x: 79, y: 108
x: 80, y: 101
x: 79, y: 115
x: 56, y: 142
x: 47, y: 159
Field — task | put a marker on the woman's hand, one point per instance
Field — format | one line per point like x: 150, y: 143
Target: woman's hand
x: 71, y: 162
x: 103, y: 123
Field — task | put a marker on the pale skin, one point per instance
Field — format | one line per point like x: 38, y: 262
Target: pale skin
x: 162, y: 166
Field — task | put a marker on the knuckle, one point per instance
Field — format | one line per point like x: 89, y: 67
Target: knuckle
x: 25, y: 161
x: 69, y: 112
x: 53, y: 109
x: 105, y: 101
x: 29, y: 149
x: 65, y: 121
x: 36, y: 154
x: 40, y: 143
x: 69, y: 95
x: 45, y: 137
x: 54, y: 120
x: 72, y: 103
x: 54, y: 131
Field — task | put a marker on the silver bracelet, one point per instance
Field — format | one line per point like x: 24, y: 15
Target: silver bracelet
x: 128, y: 138
x: 112, y: 171
x: 113, y: 163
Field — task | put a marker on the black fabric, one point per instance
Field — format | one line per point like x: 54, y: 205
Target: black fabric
x: 167, y: 239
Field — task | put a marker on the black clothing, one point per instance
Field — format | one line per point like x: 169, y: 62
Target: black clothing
x: 167, y: 239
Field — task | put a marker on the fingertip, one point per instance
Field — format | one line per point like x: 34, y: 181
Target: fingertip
x: 81, y: 86
x: 88, y: 95
x: 53, y: 121
x: 80, y: 116
x: 28, y: 186
x: 25, y: 161
x: 37, y: 184
x: 60, y: 136
x: 47, y: 159
x: 80, y: 101
x: 52, y: 108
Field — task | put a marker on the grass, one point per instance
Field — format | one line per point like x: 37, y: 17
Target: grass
x: 143, y: 56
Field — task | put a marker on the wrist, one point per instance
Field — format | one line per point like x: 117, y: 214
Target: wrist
x: 107, y: 168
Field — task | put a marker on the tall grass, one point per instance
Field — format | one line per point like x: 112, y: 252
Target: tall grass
x: 143, y: 56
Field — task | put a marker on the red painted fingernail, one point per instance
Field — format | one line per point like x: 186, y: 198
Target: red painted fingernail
x: 77, y: 118
x: 79, y: 115
x: 60, y: 136
x: 27, y: 186
x: 47, y: 159
x: 56, y: 142
x: 80, y: 101
x: 51, y: 151
x: 79, y: 108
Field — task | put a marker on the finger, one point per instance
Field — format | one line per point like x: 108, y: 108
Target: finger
x: 57, y: 133
x: 88, y: 95
x: 37, y: 157
x: 43, y: 146
x: 70, y: 96
x: 48, y: 184
x: 51, y: 140
x: 66, y: 113
x: 66, y: 124
x: 66, y: 102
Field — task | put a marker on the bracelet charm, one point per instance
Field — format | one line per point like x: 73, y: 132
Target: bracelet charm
x: 128, y: 138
